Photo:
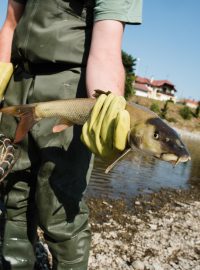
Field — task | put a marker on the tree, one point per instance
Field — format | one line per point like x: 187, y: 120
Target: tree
x: 164, y: 110
x: 129, y: 64
x: 197, y: 111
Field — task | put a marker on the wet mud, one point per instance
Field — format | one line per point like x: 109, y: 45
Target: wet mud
x: 158, y: 231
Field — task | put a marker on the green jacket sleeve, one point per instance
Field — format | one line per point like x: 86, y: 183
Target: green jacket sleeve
x: 127, y: 11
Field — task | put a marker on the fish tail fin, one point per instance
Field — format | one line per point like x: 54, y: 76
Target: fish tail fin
x: 26, y: 113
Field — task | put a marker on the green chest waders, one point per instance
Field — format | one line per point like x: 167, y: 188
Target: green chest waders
x: 50, y: 176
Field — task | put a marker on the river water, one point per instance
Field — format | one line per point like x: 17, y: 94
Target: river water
x: 140, y: 174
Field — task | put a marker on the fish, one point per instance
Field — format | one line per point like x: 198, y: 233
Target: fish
x: 148, y: 133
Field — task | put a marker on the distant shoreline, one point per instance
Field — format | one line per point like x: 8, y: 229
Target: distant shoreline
x: 187, y: 128
x: 193, y: 135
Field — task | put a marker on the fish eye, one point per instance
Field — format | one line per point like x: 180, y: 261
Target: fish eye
x: 156, y: 135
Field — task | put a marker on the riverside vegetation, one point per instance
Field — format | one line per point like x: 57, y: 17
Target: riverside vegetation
x: 178, y: 115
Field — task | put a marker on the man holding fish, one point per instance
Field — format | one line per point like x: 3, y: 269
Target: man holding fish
x: 60, y: 50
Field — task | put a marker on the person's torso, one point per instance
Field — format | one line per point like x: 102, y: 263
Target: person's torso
x: 57, y: 31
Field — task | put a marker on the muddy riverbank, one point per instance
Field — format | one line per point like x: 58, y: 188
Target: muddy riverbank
x: 159, y: 231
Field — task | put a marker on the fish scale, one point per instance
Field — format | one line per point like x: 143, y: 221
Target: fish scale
x: 75, y: 111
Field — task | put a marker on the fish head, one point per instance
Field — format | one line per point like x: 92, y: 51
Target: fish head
x: 156, y: 138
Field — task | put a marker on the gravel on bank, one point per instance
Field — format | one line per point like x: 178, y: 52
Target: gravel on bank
x: 156, y: 232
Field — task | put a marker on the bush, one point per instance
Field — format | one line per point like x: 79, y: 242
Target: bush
x: 185, y: 113
x: 197, y: 111
x: 170, y: 100
x: 172, y: 119
x: 155, y: 108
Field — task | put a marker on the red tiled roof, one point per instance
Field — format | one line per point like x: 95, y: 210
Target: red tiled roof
x: 142, y: 80
x: 191, y: 101
x: 153, y: 82
x: 141, y: 86
x: 161, y: 83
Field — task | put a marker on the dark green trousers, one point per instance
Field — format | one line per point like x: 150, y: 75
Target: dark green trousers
x: 48, y: 181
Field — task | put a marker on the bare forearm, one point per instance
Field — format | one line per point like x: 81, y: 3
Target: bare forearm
x: 104, y: 68
x: 14, y: 13
x: 6, y: 36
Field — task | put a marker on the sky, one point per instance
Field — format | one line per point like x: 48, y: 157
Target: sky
x: 166, y: 45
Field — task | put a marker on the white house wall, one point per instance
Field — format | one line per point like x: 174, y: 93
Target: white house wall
x: 154, y: 95
x: 141, y: 93
x: 163, y: 97
x: 191, y: 105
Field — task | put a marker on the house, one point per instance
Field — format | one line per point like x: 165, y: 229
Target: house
x: 156, y: 89
x: 193, y: 104
x: 142, y: 90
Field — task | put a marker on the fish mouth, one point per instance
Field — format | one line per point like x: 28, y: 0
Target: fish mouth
x: 172, y: 158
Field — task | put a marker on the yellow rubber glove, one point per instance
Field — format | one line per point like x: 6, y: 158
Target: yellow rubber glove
x: 6, y: 71
x: 105, y: 132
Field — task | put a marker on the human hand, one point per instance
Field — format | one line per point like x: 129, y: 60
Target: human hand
x: 105, y: 133
x: 6, y: 71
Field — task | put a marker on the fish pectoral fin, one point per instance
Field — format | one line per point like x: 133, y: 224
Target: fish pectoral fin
x: 111, y: 166
x: 62, y: 125
x: 98, y: 92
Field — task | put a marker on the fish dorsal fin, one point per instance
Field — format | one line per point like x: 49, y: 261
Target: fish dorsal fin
x: 111, y: 166
x: 98, y: 92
